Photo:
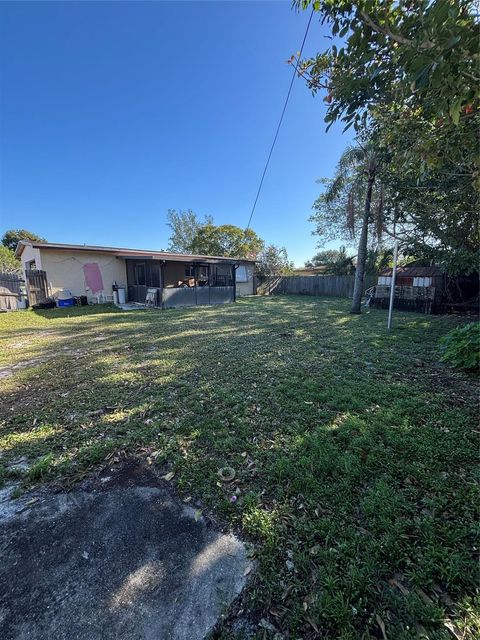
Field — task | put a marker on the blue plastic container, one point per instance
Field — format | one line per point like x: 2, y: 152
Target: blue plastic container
x: 68, y: 302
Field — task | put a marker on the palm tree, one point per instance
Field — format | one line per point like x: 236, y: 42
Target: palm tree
x: 341, y: 264
x: 356, y: 173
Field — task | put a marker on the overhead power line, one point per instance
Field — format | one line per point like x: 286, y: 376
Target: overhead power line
x: 279, y: 123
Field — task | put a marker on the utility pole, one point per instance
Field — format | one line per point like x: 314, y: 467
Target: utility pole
x: 392, y: 285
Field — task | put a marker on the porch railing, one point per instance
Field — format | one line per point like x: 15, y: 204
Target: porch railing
x: 191, y: 296
x: 183, y: 296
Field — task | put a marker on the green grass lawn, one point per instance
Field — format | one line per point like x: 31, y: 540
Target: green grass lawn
x: 355, y: 451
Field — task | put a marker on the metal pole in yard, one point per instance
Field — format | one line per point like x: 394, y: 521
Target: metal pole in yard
x: 392, y: 285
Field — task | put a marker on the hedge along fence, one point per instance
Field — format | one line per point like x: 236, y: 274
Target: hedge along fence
x: 335, y: 286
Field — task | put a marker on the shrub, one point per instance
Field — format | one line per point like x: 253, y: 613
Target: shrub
x: 462, y: 347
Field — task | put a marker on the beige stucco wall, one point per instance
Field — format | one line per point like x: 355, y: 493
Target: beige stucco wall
x: 246, y: 288
x: 65, y: 270
x: 29, y: 254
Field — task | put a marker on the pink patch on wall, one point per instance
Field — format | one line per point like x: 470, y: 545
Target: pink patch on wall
x: 93, y: 277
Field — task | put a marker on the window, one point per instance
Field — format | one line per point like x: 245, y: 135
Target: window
x: 31, y: 265
x: 189, y: 271
x: 422, y: 282
x: 241, y: 274
x: 223, y: 276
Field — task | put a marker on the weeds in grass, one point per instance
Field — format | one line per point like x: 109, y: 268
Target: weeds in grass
x: 16, y: 493
x: 355, y: 450
x: 40, y: 469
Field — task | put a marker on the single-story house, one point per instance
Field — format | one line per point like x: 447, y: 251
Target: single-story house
x: 95, y: 272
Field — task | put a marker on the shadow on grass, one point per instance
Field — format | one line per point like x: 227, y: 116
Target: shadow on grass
x: 352, y: 462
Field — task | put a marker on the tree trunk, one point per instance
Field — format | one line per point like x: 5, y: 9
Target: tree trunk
x: 362, y: 250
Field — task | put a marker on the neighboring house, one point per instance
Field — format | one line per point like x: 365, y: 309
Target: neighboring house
x: 178, y: 279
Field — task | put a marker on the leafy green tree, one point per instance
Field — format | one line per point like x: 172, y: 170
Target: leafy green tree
x: 12, y: 237
x: 191, y: 235
x: 430, y: 171
x: 409, y: 73
x: 226, y: 240
x: 342, y: 266
x: 422, y: 51
x: 336, y: 262
x: 378, y: 259
x: 322, y: 257
x: 8, y: 262
x: 434, y: 205
x: 273, y: 261
x: 184, y: 226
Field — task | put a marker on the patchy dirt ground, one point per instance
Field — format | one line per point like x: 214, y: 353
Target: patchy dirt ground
x: 117, y: 557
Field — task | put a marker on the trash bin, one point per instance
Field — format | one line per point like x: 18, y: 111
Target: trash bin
x: 121, y: 295
x: 66, y: 302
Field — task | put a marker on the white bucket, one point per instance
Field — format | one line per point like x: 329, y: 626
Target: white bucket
x: 64, y: 294
x: 121, y: 295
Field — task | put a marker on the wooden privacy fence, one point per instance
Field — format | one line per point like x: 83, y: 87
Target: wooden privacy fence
x: 37, y: 287
x: 335, y: 286
x: 11, y: 285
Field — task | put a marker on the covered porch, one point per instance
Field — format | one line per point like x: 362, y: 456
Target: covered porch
x: 180, y: 283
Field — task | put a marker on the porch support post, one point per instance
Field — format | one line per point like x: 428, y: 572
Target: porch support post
x: 234, y: 274
x: 209, y: 284
x: 392, y: 285
x: 162, y: 282
x: 195, y: 276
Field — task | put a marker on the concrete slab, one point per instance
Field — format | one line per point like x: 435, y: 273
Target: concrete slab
x: 130, y: 306
x: 117, y: 558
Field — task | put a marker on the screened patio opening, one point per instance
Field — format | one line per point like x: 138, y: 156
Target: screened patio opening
x: 143, y: 275
x: 194, y: 274
x: 180, y: 283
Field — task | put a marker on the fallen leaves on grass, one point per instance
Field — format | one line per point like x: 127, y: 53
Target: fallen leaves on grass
x: 381, y: 624
x: 347, y: 456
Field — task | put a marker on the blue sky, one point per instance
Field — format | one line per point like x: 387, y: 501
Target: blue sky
x: 114, y: 112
